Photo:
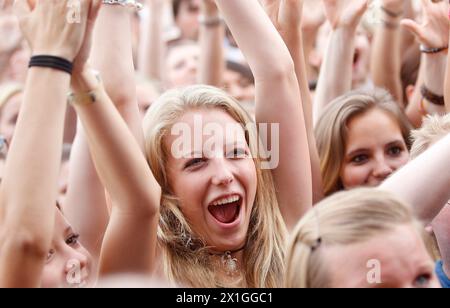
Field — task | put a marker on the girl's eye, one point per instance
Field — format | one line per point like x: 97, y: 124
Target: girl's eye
x: 50, y: 255
x: 359, y: 159
x: 422, y: 281
x: 395, y: 151
x: 194, y: 163
x: 238, y: 154
x: 73, y: 240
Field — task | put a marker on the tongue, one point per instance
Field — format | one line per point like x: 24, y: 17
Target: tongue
x: 225, y: 213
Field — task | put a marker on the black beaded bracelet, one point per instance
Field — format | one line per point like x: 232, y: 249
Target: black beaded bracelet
x: 431, y: 97
x: 52, y: 62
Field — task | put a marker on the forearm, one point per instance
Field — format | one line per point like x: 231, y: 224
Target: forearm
x: 130, y: 239
x: 386, y: 60
x: 295, y: 43
x: 212, y: 59
x: 151, y: 57
x: 85, y: 204
x: 447, y: 87
x: 429, y: 192
x: 28, y: 191
x: 335, y: 78
x: 250, y: 30
x: 116, y: 155
x: 112, y: 56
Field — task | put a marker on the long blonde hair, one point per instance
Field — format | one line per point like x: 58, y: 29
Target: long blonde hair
x: 185, y: 257
x: 345, y: 218
x: 331, y: 130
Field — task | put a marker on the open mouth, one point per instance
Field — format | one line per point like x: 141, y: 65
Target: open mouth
x: 226, y: 210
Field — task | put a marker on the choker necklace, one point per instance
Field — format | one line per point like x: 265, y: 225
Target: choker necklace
x: 228, y: 262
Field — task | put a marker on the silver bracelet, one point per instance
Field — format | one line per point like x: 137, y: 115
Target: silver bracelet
x: 126, y: 3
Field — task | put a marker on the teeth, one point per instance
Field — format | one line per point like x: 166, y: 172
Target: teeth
x: 226, y: 200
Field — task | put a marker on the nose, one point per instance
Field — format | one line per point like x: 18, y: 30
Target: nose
x: 222, y: 175
x: 382, y: 169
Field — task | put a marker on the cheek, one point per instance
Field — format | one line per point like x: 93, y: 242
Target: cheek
x: 400, y: 161
x: 52, y: 275
x: 352, y: 176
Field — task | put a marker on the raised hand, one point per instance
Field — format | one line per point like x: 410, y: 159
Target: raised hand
x: 49, y: 30
x: 433, y: 32
x: 286, y: 15
x: 83, y: 55
x: 345, y: 13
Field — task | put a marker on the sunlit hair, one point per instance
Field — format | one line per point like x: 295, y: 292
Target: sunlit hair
x: 346, y: 218
x: 188, y: 262
x: 332, y: 131
x: 433, y: 129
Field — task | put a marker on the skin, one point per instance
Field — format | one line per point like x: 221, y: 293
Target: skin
x: 65, y: 251
x: 239, y: 87
x: 198, y: 182
x: 187, y: 19
x: 182, y: 65
x: 9, y: 116
x: 403, y: 259
x: 375, y: 149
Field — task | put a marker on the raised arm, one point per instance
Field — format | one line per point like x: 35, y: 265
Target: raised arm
x: 130, y: 239
x: 447, y: 81
x: 212, y: 33
x: 152, y: 49
x: 335, y: 78
x: 29, y: 191
x: 111, y: 55
x: 288, y: 21
x: 278, y: 100
x: 432, y: 33
x: 429, y: 192
x: 386, y: 59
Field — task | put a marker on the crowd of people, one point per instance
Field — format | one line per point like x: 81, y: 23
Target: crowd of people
x: 225, y: 143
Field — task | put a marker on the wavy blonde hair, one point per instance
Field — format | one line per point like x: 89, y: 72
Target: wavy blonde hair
x: 345, y: 218
x: 186, y: 259
x: 331, y: 130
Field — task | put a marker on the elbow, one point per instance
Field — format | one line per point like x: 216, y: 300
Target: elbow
x: 26, y: 243
x: 278, y: 71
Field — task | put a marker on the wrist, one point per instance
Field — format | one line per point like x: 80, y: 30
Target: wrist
x: 84, y: 80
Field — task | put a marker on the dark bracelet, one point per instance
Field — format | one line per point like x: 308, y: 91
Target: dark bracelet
x: 391, y: 13
x: 431, y: 97
x: 428, y: 50
x: 52, y: 62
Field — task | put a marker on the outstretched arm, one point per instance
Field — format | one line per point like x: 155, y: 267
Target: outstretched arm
x: 432, y: 33
x: 278, y: 100
x: 386, y: 49
x: 29, y: 191
x: 287, y: 17
x: 112, y: 56
x: 151, y: 55
x: 130, y: 239
x: 428, y: 196
x: 335, y: 78
x: 212, y: 33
